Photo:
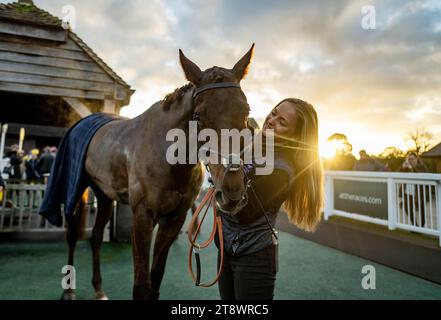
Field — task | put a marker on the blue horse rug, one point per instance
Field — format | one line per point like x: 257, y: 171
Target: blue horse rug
x: 68, y: 178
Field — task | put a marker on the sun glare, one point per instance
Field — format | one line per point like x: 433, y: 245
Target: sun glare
x: 328, y: 149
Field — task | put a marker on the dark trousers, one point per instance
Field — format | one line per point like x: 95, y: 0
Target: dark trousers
x: 248, y: 277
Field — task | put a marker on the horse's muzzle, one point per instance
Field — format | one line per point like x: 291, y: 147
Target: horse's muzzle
x: 228, y: 206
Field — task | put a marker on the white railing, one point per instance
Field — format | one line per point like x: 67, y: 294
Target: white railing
x: 408, y: 201
x: 19, y: 210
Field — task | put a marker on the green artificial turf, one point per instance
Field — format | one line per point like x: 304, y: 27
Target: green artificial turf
x: 307, y: 271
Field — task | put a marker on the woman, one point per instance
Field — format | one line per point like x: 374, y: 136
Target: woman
x: 413, y: 163
x: 250, y: 241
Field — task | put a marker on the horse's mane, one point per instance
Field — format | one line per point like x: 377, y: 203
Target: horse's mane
x: 176, y: 96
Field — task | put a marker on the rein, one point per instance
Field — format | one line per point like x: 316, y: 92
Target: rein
x: 195, y: 247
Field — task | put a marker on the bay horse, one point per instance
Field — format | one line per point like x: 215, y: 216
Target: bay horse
x: 126, y: 162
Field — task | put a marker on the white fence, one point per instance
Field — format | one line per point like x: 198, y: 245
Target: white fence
x: 20, y: 205
x: 408, y: 201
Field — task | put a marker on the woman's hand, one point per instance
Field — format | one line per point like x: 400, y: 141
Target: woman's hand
x: 407, y: 165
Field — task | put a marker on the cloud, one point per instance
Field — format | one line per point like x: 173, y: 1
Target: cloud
x: 359, y: 80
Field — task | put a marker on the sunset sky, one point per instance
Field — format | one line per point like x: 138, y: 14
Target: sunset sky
x: 372, y: 85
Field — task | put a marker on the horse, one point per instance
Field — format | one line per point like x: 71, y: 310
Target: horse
x: 126, y: 162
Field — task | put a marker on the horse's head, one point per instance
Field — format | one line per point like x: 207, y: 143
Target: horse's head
x: 219, y: 103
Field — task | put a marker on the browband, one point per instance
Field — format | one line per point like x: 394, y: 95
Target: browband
x: 211, y: 86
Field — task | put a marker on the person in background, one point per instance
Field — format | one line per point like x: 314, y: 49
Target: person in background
x: 16, y: 158
x: 367, y: 163
x: 413, y: 163
x: 2, y: 188
x: 53, y: 151
x: 32, y: 173
x: 2, y: 184
x: 45, y: 163
x: 415, y: 197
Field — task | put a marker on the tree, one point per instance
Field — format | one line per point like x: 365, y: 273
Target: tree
x: 419, y: 140
x: 391, y: 152
x: 343, y: 159
x: 344, y: 147
x: 393, y: 157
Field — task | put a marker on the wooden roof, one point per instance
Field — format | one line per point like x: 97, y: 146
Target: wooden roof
x: 39, y: 56
x: 26, y: 11
x: 435, y: 152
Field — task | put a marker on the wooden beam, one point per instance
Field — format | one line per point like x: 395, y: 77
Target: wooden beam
x: 121, y: 92
x: 43, y: 51
x: 109, y: 106
x: 33, y: 130
x: 55, y: 82
x: 50, y: 61
x: 55, y: 72
x: 78, y: 106
x: 33, y: 31
x: 50, y: 91
x: 68, y: 45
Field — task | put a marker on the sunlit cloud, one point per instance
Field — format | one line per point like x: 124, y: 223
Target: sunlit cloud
x: 374, y: 86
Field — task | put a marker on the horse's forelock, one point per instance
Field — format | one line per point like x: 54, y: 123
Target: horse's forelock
x: 216, y: 75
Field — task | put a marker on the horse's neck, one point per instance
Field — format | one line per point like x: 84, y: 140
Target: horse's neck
x: 181, y: 112
x: 177, y: 116
x: 158, y: 121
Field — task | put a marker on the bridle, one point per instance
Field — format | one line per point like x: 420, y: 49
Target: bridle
x: 211, y: 199
x: 227, y: 160
x: 211, y: 86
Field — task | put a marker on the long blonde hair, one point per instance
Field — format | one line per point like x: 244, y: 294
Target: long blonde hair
x: 305, y: 200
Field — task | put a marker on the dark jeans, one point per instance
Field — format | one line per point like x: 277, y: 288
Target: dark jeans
x: 248, y: 277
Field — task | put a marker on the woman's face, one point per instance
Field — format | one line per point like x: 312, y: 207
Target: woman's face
x: 413, y: 161
x: 282, y: 120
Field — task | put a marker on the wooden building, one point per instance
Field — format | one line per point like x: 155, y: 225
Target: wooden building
x: 49, y: 77
x: 435, y: 154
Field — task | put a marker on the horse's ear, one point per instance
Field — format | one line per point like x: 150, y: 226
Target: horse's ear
x: 241, y: 68
x: 191, y: 70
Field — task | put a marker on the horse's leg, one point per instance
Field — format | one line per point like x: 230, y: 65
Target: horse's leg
x: 196, y: 221
x: 102, y: 218
x: 167, y: 232
x: 141, y: 240
x: 74, y: 225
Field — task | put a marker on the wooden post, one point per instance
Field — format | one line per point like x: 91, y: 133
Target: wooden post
x: 21, y: 140
x: 109, y: 106
x: 79, y: 107
x: 2, y: 145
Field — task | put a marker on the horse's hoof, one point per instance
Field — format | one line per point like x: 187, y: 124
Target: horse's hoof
x: 153, y: 295
x: 100, y: 296
x: 68, y: 295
